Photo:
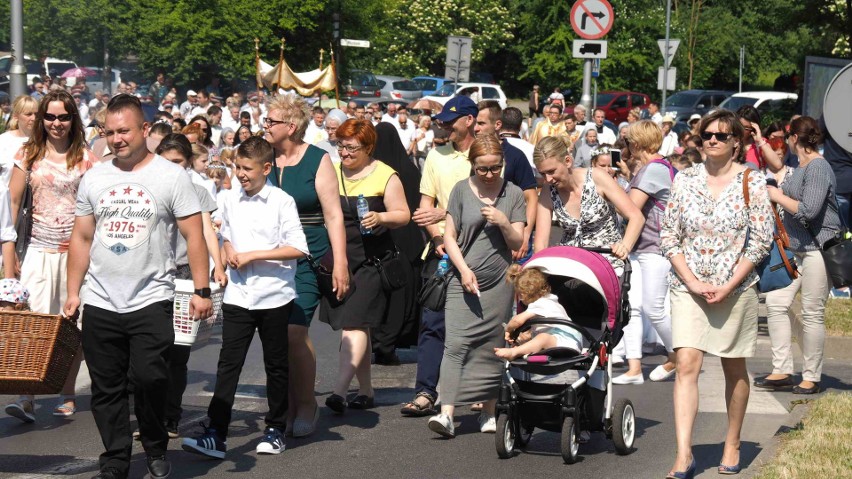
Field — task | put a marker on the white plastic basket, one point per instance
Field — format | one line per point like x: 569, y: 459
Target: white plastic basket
x: 188, y: 331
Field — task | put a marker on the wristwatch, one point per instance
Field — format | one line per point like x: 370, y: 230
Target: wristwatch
x: 203, y: 292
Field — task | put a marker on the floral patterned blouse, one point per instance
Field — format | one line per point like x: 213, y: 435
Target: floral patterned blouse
x: 711, y: 233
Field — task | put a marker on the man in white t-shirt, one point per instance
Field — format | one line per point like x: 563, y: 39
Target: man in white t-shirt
x: 406, y: 130
x: 654, y: 113
x: 391, y: 116
x: 202, y: 106
x: 128, y: 214
x: 186, y: 107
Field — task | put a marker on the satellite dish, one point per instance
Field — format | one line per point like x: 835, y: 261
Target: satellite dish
x: 836, y: 110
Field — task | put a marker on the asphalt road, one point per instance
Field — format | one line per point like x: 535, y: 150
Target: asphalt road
x: 381, y: 443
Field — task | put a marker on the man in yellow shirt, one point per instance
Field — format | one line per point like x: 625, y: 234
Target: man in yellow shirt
x: 552, y: 126
x: 445, y: 166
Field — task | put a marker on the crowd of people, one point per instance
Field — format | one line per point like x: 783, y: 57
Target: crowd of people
x: 341, y: 215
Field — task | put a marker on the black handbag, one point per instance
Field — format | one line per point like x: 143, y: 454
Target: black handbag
x: 433, y: 294
x: 837, y: 252
x: 24, y: 223
x: 391, y: 266
x: 323, y: 270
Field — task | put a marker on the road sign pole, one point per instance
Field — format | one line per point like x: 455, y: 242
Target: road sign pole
x: 666, y: 56
x: 17, y: 71
x: 586, y: 99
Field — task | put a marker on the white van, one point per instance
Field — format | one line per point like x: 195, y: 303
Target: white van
x: 478, y: 92
x: 52, y: 66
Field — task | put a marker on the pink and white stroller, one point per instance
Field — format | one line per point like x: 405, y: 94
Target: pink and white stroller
x: 596, y: 300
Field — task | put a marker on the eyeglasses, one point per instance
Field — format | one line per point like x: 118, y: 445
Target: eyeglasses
x: 447, y: 125
x: 349, y: 148
x: 494, y: 170
x: 723, y: 137
x: 65, y: 117
x: 269, y: 122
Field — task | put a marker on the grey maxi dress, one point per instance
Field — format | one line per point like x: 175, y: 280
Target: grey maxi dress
x: 470, y: 372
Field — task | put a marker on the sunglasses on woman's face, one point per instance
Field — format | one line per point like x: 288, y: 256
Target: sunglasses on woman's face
x: 494, y: 170
x: 723, y: 137
x: 65, y: 117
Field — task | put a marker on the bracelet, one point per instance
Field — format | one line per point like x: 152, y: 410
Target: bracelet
x: 763, y: 143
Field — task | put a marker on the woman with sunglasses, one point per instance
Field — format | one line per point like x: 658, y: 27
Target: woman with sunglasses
x: 712, y: 282
x: 306, y: 173
x: 485, y: 218
x: 55, y: 158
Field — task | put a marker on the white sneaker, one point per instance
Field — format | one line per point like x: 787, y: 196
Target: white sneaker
x: 443, y: 425
x: 272, y: 442
x: 625, y: 379
x: 660, y: 374
x: 22, y: 410
x: 487, y: 423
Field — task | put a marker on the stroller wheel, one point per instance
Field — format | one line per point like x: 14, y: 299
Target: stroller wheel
x: 623, y: 426
x: 570, y: 444
x: 505, y: 437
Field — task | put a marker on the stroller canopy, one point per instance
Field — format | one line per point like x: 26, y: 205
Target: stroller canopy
x: 590, y: 268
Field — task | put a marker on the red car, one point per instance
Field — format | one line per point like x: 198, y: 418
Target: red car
x: 616, y: 104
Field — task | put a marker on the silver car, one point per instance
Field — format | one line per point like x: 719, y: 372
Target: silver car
x: 398, y: 89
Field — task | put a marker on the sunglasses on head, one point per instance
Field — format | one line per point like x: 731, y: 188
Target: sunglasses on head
x: 723, y: 137
x: 63, y: 117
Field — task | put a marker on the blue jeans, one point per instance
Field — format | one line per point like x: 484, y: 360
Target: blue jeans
x: 430, y: 351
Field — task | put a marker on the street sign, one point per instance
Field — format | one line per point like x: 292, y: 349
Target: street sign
x: 457, y: 63
x: 592, y: 19
x: 596, y: 67
x: 589, y: 48
x: 670, y: 77
x: 354, y: 43
x: 673, y: 44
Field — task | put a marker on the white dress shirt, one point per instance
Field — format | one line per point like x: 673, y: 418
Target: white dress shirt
x: 264, y: 221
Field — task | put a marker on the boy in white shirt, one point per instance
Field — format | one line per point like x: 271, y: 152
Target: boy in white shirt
x: 263, y: 239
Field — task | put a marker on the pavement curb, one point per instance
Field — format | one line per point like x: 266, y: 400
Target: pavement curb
x: 767, y: 454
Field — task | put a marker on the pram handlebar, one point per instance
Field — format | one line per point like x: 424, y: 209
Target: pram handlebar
x: 562, y: 322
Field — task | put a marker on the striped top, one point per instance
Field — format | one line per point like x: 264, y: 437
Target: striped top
x: 813, y: 186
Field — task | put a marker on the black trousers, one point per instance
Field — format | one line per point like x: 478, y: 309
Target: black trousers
x: 237, y: 332
x: 178, y: 360
x: 135, y: 344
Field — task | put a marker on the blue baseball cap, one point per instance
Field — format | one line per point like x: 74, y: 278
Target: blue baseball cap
x: 457, y: 106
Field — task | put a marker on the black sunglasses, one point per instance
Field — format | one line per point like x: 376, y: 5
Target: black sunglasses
x: 63, y: 117
x: 723, y: 137
x: 495, y: 170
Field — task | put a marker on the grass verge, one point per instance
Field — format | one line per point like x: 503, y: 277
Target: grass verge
x: 838, y: 317
x: 820, y: 446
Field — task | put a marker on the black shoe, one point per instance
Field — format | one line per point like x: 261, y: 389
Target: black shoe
x: 159, y: 467
x: 811, y: 390
x: 172, y: 428
x: 336, y: 403
x: 362, y: 402
x: 773, y: 384
x: 387, y: 359
x: 110, y: 473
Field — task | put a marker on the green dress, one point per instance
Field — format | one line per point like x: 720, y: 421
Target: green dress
x: 298, y: 181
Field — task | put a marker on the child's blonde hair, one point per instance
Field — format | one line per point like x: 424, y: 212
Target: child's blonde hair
x: 216, y: 170
x: 530, y: 284
x: 227, y: 155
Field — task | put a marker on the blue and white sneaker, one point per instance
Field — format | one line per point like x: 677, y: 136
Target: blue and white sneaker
x: 207, y: 444
x: 272, y: 442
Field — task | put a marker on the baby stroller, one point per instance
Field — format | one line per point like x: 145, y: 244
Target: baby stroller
x: 589, y: 289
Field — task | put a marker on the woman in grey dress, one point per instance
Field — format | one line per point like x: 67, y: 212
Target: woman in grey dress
x: 479, y: 299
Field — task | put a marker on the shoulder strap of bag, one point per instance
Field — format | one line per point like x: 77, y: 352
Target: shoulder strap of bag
x: 746, y: 197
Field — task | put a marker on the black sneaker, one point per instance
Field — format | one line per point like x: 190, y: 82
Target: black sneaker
x: 208, y: 444
x: 272, y: 442
x: 109, y: 473
x: 159, y: 467
x: 172, y: 428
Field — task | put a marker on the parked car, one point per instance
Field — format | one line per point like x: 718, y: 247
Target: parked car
x: 779, y: 104
x: 616, y: 104
x: 51, y: 66
x: 96, y: 82
x: 398, y: 88
x: 360, y: 84
x: 684, y: 104
x: 477, y: 91
x: 430, y: 85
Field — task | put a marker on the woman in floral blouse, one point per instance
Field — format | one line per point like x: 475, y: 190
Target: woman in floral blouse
x: 713, y: 294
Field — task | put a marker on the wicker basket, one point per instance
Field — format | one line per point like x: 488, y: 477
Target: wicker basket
x: 36, y: 352
x: 189, y: 332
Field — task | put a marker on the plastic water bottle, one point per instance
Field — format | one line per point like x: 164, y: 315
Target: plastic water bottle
x: 363, y: 209
x: 443, y: 266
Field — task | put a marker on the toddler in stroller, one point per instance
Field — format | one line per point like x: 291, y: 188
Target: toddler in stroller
x: 532, y: 289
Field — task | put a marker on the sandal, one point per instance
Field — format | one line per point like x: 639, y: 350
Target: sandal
x: 416, y: 409
x: 64, y: 410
